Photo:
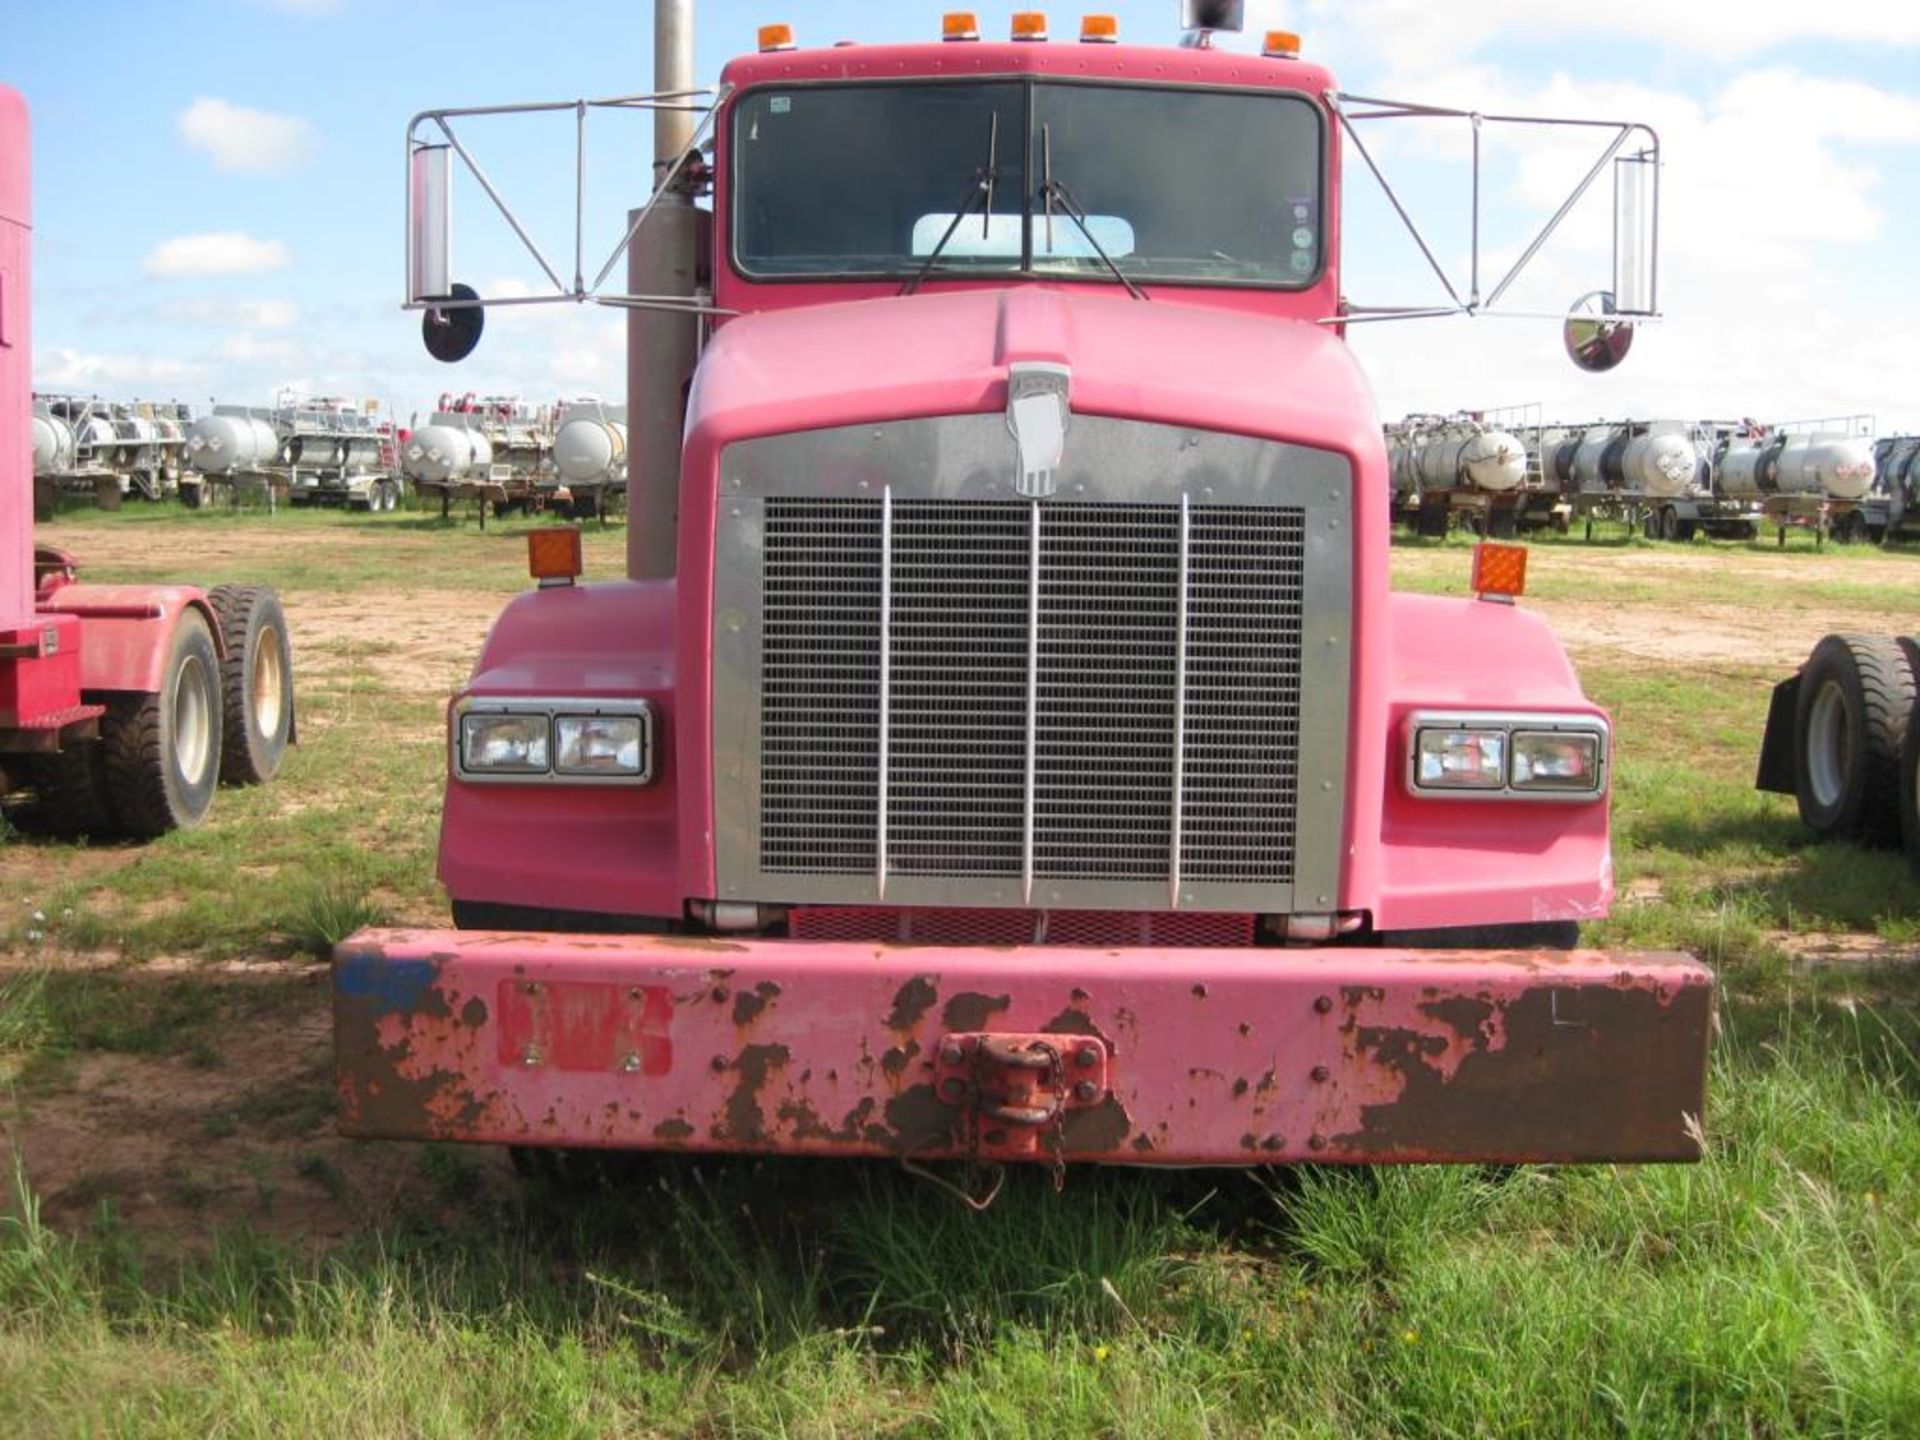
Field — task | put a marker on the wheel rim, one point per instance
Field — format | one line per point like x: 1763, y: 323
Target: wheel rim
x: 268, y: 681
x: 1829, y: 744
x: 192, y: 721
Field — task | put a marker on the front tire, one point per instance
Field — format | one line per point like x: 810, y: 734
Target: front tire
x: 1850, y: 723
x: 256, y: 683
x: 162, y: 751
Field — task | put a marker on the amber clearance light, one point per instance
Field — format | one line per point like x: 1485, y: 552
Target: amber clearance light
x: 776, y: 37
x: 1029, y: 25
x: 554, y: 556
x: 960, y: 25
x: 1499, y: 570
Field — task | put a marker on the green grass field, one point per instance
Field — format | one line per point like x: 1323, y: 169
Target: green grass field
x: 186, y: 1250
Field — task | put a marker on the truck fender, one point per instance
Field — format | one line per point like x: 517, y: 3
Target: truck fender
x: 125, y: 628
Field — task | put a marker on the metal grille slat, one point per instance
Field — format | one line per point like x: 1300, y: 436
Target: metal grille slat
x: 1030, y: 692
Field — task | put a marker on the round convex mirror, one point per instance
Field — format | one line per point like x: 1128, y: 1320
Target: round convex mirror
x: 1596, y: 341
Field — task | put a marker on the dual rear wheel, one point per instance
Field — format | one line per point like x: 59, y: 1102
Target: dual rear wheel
x: 162, y: 754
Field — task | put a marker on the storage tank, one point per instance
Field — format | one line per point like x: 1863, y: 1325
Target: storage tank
x: 226, y: 443
x: 1474, y: 457
x: 446, y: 451
x: 1839, y: 467
x: 93, y: 439
x: 52, y: 444
x: 591, y: 449
x: 1662, y: 463
x: 1659, y: 459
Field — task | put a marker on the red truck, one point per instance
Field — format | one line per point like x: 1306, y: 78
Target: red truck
x: 1004, y: 742
x: 122, y: 707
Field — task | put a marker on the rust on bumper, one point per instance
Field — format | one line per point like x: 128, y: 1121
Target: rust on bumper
x: 1190, y: 1056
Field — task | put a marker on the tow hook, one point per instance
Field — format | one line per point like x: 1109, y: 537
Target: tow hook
x: 1018, y: 1087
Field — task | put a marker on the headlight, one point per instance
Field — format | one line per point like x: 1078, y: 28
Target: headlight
x: 504, y: 744
x: 1461, y: 759
x: 599, y: 745
x: 1484, y: 756
x: 537, y: 741
x: 1547, y: 760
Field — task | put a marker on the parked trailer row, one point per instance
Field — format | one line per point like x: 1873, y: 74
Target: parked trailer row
x: 326, y: 451
x: 1674, y: 479
x: 502, y: 454
x: 1843, y: 738
x: 105, y: 451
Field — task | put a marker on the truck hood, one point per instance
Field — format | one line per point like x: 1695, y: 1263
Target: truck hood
x: 948, y: 353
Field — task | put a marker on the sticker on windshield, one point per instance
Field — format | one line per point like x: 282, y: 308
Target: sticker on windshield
x: 1302, y: 262
x: 780, y: 104
x: 1303, y: 238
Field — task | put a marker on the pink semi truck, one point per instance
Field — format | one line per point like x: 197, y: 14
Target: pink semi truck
x: 122, y: 707
x: 1004, y: 743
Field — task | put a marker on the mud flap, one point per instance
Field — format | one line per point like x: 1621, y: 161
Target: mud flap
x: 1776, y: 749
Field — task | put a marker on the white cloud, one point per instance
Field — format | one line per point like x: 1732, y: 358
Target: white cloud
x: 62, y: 369
x: 228, y: 314
x: 245, y: 141
x: 220, y: 252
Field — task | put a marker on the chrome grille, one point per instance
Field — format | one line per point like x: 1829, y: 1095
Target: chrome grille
x: 1044, y: 691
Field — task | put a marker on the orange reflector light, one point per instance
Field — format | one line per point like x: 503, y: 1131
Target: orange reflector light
x: 553, y: 554
x: 960, y: 25
x: 1100, y: 30
x: 1282, y: 45
x: 1029, y: 25
x: 1499, y: 569
x: 776, y: 37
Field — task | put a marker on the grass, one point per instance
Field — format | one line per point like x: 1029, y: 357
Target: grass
x: 1772, y: 1290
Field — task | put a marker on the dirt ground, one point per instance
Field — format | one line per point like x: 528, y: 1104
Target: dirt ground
x: 180, y: 1146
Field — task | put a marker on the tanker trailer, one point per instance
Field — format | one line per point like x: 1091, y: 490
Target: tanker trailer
x: 590, y: 457
x: 73, y: 450
x: 335, y: 454
x: 450, y: 457
x: 234, y: 448
x: 1462, y: 464
x: 1806, y: 475
x: 147, y: 451
x: 1002, y: 741
x: 122, y: 707
x: 1898, y: 462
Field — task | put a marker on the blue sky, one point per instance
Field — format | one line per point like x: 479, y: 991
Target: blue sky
x: 219, y: 201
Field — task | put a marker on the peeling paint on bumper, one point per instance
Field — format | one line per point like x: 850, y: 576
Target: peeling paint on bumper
x: 1204, y: 1056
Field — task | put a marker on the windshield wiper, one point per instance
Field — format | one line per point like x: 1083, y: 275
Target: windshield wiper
x: 1055, y: 192
x: 979, y: 190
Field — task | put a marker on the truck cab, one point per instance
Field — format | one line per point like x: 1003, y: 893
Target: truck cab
x: 1006, y: 743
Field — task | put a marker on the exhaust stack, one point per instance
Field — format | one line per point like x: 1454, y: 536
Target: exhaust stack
x: 662, y: 347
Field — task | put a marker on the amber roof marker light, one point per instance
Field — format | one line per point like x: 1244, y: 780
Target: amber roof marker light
x: 1100, y: 30
x: 960, y: 25
x: 776, y: 37
x: 1030, y: 25
x: 1499, y: 571
x: 554, y: 555
x: 1281, y: 45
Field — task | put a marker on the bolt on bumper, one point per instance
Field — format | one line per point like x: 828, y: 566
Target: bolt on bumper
x: 1044, y: 1053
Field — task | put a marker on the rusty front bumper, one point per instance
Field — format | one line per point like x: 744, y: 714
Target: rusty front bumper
x: 1144, y: 1056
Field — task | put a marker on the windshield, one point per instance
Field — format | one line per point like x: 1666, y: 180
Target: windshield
x: 1196, y: 186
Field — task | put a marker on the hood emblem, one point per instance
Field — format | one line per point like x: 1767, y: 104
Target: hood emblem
x: 1037, y: 416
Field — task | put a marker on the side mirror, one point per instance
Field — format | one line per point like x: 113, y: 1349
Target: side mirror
x: 451, y: 332
x: 1595, y: 340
